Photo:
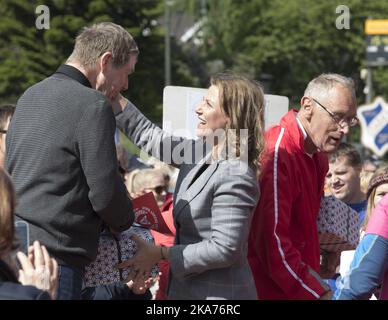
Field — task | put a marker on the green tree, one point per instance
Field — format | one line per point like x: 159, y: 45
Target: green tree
x: 27, y: 55
x: 292, y: 41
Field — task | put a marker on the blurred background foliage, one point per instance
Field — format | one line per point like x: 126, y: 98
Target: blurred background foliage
x: 284, y: 44
x: 27, y: 55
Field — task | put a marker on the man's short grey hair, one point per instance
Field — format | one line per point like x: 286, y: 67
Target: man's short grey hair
x: 94, y: 41
x: 322, y: 84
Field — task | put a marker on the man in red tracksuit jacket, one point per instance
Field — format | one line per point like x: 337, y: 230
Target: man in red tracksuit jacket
x: 284, y: 250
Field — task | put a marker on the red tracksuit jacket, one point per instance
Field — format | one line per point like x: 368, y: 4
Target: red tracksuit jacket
x: 283, y: 242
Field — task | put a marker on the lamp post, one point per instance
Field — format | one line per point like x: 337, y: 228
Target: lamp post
x: 369, y: 85
x: 167, y: 42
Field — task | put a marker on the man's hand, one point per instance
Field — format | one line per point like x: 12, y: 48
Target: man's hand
x: 330, y: 262
x: 140, y: 286
x: 326, y: 296
x: 119, y: 103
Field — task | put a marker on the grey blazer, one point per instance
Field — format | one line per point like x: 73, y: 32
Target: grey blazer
x: 212, y: 214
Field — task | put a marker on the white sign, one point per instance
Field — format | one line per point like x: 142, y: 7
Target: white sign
x: 194, y: 98
x: 374, y: 126
x: 180, y: 119
x: 275, y: 108
x: 179, y: 105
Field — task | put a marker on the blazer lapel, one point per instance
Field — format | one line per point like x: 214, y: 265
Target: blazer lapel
x: 192, y: 189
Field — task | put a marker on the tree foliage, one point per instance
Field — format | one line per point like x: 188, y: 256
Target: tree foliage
x: 27, y: 55
x: 287, y: 43
x: 291, y: 40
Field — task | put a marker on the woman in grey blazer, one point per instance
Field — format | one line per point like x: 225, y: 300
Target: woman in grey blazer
x: 216, y: 191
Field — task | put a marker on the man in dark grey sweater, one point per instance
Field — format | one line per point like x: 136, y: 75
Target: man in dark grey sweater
x: 61, y: 152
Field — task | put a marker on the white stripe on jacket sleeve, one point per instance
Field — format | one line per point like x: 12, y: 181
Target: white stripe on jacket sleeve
x: 277, y: 214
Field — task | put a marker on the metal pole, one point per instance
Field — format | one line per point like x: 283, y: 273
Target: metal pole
x: 167, y: 43
x: 369, y: 85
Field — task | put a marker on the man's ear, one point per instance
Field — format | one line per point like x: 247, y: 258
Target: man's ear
x: 104, y: 60
x: 306, y: 107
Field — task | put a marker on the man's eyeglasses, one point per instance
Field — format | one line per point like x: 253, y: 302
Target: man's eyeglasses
x: 3, y: 131
x: 340, y: 120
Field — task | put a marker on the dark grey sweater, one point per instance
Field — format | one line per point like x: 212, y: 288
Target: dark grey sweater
x: 62, y: 158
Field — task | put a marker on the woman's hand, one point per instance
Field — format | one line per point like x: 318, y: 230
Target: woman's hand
x: 38, y: 269
x: 146, y: 257
x: 118, y: 103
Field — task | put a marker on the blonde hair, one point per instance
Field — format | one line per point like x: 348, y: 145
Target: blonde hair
x: 371, y: 192
x: 103, y: 37
x: 140, y: 178
x: 7, y: 205
x: 365, y: 178
x: 242, y: 100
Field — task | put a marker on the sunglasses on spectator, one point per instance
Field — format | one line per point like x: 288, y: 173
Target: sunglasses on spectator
x: 3, y: 131
x: 159, y: 189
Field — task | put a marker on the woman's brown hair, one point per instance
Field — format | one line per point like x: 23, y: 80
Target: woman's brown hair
x: 242, y: 100
x: 7, y: 205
